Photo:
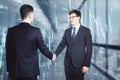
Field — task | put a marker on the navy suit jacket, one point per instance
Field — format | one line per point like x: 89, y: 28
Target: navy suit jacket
x: 78, y: 50
x: 22, y: 44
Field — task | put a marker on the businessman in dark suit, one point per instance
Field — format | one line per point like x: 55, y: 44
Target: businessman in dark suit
x: 78, y: 42
x: 22, y: 44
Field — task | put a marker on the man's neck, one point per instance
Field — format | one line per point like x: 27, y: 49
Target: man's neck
x: 26, y: 20
x: 76, y: 25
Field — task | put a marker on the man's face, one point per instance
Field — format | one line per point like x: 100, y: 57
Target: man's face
x: 74, y: 19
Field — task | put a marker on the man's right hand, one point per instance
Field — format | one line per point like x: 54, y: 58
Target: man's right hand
x: 54, y: 57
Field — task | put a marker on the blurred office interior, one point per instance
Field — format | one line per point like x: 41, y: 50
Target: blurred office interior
x: 51, y: 16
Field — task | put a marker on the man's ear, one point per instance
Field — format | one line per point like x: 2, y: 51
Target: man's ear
x: 79, y: 17
x: 29, y: 15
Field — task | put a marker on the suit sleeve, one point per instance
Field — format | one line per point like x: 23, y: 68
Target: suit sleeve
x: 7, y: 47
x: 42, y: 47
x: 88, y: 41
x: 62, y: 45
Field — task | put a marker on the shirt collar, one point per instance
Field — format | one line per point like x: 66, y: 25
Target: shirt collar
x: 77, y: 26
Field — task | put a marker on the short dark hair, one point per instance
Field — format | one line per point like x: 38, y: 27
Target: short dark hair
x: 78, y: 13
x: 25, y: 9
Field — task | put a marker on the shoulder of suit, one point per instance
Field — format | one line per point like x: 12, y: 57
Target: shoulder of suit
x: 34, y: 27
x: 16, y: 26
x: 68, y: 29
x: 13, y: 27
x: 86, y: 28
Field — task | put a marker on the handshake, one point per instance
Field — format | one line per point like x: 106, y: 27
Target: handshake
x: 54, y: 57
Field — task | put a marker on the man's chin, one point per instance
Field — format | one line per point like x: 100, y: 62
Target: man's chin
x: 72, y: 24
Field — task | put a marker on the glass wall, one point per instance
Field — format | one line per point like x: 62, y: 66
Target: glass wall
x: 4, y: 9
x: 102, y: 17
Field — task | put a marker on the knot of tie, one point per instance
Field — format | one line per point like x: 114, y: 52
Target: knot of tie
x: 74, y: 28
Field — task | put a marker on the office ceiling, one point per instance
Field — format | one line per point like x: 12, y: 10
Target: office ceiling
x: 49, y: 13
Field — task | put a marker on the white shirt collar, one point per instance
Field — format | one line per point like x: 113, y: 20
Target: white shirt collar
x: 77, y: 26
x: 27, y: 21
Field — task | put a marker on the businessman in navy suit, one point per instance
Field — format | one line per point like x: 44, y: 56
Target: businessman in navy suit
x: 22, y: 44
x: 78, y: 42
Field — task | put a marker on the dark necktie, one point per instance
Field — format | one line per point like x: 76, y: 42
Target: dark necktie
x: 73, y: 35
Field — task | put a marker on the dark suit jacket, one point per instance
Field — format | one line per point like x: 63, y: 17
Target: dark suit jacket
x: 78, y: 50
x: 22, y: 44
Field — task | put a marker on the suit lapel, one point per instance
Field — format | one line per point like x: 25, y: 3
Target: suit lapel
x: 69, y: 33
x: 78, y: 33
